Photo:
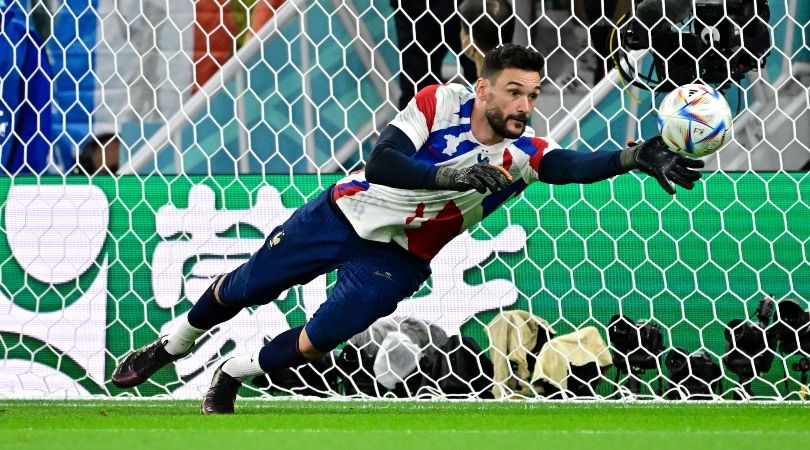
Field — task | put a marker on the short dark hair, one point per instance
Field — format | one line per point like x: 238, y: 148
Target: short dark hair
x: 511, y: 56
x: 487, y: 29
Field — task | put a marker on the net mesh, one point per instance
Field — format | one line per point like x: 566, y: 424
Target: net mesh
x: 221, y: 117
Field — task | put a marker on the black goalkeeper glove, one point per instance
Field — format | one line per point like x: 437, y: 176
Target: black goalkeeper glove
x: 654, y: 158
x: 481, y: 177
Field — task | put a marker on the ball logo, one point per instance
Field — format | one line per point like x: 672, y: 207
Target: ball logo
x: 3, y: 124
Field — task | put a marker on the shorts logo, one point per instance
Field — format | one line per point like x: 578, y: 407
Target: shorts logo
x: 384, y: 275
x: 273, y: 240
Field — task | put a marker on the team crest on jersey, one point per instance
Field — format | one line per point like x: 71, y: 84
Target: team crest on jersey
x: 275, y: 239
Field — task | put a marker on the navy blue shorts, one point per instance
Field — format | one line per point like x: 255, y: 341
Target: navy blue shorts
x: 372, y: 277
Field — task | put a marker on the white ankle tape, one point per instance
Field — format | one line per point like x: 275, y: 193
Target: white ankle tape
x: 182, y: 337
x: 244, y: 366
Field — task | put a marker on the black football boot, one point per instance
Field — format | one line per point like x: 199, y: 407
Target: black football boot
x: 139, y: 365
x: 221, y: 396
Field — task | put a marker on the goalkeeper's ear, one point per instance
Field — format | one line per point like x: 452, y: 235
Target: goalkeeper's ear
x: 482, y: 86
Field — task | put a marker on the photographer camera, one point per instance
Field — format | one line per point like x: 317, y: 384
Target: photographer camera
x: 691, y: 377
x: 750, y: 348
x: 724, y: 40
x: 636, y: 348
x: 792, y: 330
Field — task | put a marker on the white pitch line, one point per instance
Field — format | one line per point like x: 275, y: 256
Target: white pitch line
x: 422, y: 431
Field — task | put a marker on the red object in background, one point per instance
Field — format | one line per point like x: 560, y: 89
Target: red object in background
x: 263, y: 11
x: 214, y: 39
x: 215, y: 35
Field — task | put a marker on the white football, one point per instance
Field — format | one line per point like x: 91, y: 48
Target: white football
x: 695, y: 120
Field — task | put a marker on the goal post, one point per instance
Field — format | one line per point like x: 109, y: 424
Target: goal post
x: 634, y: 292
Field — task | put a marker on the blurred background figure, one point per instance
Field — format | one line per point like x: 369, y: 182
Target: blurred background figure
x: 427, y: 30
x: 25, y: 84
x: 601, y: 18
x: 100, y: 155
x: 485, y: 24
x: 263, y: 11
x: 125, y: 68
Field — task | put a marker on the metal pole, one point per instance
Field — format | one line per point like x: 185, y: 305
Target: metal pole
x: 309, y: 113
x: 241, y: 115
x: 149, y: 151
x: 377, y: 64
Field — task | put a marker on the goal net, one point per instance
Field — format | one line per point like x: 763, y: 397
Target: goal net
x: 218, y: 118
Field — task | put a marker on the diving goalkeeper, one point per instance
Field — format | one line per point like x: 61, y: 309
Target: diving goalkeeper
x: 445, y: 162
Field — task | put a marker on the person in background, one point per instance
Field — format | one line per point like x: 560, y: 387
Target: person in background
x: 601, y: 18
x: 130, y: 65
x: 426, y: 31
x: 25, y: 91
x: 99, y: 156
x: 263, y: 11
x: 481, y: 31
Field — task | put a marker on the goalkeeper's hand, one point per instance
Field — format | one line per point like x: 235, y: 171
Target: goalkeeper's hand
x: 481, y: 177
x: 654, y: 158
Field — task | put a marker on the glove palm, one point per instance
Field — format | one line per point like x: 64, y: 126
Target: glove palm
x: 655, y: 159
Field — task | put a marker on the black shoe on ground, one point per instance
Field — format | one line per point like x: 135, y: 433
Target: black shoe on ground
x: 139, y: 365
x: 221, y: 396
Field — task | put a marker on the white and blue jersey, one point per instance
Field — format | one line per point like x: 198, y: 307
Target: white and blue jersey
x: 437, y: 121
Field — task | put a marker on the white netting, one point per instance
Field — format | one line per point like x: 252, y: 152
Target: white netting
x: 223, y: 116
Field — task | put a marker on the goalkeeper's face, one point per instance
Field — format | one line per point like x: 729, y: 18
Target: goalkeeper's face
x: 510, y: 99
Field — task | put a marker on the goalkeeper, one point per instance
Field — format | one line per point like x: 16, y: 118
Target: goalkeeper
x: 445, y: 162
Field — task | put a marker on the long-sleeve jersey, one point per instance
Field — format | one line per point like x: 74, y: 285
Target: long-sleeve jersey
x: 437, y: 123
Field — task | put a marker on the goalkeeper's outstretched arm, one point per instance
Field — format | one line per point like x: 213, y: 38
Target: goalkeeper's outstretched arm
x: 651, y: 157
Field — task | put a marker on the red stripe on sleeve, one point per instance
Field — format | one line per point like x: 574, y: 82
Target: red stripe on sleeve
x: 426, y: 102
x: 540, y: 145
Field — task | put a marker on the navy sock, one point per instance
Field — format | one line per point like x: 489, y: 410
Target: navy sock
x: 208, y: 312
x: 282, y: 351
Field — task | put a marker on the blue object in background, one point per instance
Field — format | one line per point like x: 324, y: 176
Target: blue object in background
x: 74, y: 84
x: 25, y: 113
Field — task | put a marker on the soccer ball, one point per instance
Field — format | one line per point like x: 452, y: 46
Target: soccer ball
x: 694, y: 120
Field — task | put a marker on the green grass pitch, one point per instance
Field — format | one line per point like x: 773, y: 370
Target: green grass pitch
x: 379, y: 425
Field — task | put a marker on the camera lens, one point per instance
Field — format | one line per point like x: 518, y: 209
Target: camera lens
x: 676, y: 360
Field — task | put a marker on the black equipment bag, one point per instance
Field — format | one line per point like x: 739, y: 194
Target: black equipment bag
x: 317, y: 379
x: 459, y: 369
x: 582, y: 381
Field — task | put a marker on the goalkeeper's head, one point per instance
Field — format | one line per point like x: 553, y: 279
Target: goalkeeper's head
x: 508, y: 87
x: 511, y: 56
